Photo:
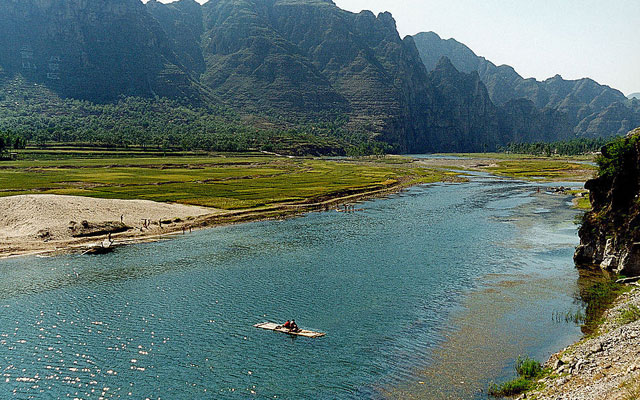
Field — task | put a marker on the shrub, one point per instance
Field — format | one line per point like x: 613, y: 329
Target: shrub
x: 611, y: 161
x: 528, y: 368
x: 511, y: 388
x: 629, y: 315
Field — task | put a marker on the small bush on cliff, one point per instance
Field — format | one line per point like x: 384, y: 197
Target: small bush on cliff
x: 612, y: 160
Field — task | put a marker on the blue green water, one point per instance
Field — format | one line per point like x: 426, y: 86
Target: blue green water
x: 174, y: 319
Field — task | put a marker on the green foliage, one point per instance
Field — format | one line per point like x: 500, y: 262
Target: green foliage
x: 225, y: 182
x: 40, y: 117
x: 577, y: 317
x: 614, y: 156
x: 541, y: 169
x: 9, y: 141
x: 563, y: 148
x: 629, y: 315
x: 511, y: 388
x: 369, y: 148
x: 529, y: 370
x: 598, y: 299
x: 583, y: 203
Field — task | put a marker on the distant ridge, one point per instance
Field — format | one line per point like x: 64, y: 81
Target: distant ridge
x: 589, y: 109
x: 301, y: 66
x: 634, y: 96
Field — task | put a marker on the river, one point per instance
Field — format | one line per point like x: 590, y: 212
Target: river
x: 416, y: 293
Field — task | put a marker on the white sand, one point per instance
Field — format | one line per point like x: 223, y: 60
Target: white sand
x: 22, y: 217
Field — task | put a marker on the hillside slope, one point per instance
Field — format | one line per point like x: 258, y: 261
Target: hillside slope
x: 95, y: 50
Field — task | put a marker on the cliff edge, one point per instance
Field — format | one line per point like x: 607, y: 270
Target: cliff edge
x: 610, y: 233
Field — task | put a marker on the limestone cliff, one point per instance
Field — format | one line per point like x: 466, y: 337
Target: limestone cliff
x: 90, y: 50
x: 610, y: 233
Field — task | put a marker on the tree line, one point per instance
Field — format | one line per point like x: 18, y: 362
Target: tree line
x: 9, y: 141
x: 572, y: 147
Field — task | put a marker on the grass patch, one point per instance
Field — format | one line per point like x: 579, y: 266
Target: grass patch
x: 631, y: 389
x: 511, y: 388
x: 529, y: 372
x: 629, y: 315
x: 582, y: 203
x: 542, y: 169
x: 599, y: 298
x: 576, y: 317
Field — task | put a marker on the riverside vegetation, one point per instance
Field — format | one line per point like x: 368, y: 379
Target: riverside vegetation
x: 236, y: 187
x: 224, y: 181
x: 237, y: 181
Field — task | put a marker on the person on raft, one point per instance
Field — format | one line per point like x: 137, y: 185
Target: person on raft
x: 291, y: 325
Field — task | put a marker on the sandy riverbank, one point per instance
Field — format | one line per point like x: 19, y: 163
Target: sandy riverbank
x: 40, y: 224
x: 37, y: 223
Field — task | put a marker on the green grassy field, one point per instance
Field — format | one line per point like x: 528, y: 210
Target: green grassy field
x: 249, y: 180
x: 543, y: 169
x: 226, y: 182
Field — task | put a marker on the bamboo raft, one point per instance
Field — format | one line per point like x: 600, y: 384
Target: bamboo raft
x: 271, y: 326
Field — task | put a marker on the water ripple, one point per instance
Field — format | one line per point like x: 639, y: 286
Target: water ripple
x: 175, y: 319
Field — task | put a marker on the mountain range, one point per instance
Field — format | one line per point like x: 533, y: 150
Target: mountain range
x: 282, y: 63
x: 589, y: 108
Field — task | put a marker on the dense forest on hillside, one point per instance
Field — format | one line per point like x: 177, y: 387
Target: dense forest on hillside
x: 35, y: 114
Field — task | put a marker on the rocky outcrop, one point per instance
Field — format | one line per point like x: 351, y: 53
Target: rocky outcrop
x: 610, y: 233
x: 462, y: 114
x: 291, y: 64
x: 310, y: 58
x: 182, y: 21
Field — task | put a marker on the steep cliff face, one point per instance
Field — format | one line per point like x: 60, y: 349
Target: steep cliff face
x: 309, y: 57
x: 287, y: 63
x: 617, y: 119
x: 521, y: 122
x: 610, y: 233
x: 183, y: 23
x: 462, y: 115
x: 92, y: 50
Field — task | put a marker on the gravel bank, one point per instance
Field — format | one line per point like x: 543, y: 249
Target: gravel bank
x: 604, y: 367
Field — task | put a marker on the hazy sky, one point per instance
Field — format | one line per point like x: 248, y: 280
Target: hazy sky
x: 599, y: 39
